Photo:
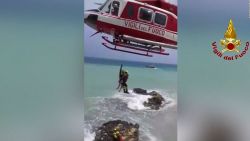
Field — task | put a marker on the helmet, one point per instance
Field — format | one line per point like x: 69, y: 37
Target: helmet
x: 126, y: 71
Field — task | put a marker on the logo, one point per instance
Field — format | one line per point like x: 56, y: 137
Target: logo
x: 231, y: 46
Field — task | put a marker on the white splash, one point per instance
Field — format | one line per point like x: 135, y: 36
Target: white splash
x: 134, y: 101
x: 88, y: 136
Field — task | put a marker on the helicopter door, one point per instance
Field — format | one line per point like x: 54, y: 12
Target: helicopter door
x: 115, y: 6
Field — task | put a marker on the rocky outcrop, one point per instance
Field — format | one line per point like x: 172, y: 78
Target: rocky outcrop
x: 154, y: 102
x: 117, y: 131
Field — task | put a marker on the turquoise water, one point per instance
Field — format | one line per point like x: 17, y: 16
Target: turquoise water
x: 41, y: 69
x: 103, y: 102
x: 101, y: 80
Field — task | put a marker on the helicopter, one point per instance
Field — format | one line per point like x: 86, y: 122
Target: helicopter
x: 139, y: 27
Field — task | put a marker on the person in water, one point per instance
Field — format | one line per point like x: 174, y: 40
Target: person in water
x: 123, y: 78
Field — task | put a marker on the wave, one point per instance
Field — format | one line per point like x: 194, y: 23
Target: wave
x: 135, y: 101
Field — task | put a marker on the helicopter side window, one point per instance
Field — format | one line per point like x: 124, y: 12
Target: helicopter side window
x: 115, y: 8
x: 145, y: 14
x: 160, y: 19
x: 130, y: 10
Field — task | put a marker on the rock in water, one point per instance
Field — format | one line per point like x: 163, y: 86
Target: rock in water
x: 139, y: 91
x: 155, y: 102
x: 117, y: 131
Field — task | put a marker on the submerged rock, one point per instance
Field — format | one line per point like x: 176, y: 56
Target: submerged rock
x: 117, y: 131
x: 154, y: 102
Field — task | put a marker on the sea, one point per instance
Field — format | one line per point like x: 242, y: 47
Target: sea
x: 103, y: 102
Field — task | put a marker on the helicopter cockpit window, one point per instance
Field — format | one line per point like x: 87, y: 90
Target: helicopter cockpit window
x: 102, y: 6
x: 107, y: 10
x: 145, y: 14
x: 115, y: 8
x: 160, y: 19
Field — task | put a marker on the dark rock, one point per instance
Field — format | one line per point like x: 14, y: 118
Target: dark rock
x: 117, y: 130
x: 139, y: 91
x: 155, y: 102
x: 155, y: 94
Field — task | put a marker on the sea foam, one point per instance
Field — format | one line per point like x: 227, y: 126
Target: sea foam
x: 88, y: 136
x: 135, y: 101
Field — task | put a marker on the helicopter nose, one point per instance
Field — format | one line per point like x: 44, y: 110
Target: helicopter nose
x: 90, y: 19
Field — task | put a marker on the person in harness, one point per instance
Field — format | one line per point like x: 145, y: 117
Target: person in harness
x: 121, y: 73
x: 122, y: 82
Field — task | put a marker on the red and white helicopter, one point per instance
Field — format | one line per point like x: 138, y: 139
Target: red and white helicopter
x: 139, y: 27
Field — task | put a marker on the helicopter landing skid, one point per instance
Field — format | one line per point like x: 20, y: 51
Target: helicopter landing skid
x: 142, y: 50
